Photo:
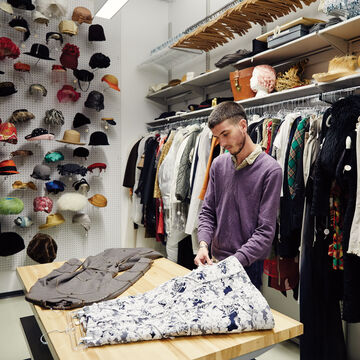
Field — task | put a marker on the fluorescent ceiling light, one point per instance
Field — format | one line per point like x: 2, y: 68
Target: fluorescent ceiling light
x: 110, y: 8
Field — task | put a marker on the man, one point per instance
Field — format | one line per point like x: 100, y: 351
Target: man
x: 238, y: 216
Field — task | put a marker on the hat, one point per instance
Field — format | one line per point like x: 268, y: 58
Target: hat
x: 52, y: 220
x: 7, y: 167
x: 96, y: 33
x: 81, y: 184
x: 82, y: 15
x: 20, y: 24
x: 19, y: 66
x: 8, y: 133
x: 109, y: 121
x: 19, y: 185
x: 112, y: 81
x: 11, y: 205
x: 7, y: 88
x: 52, y: 8
x: 39, y: 134
x: 55, y: 36
x: 39, y: 51
x: 98, y: 200
x: 99, y: 60
x: 53, y: 156
x: 23, y: 221
x: 68, y: 93
x: 71, y: 202
x: 8, y: 48
x: 83, y: 75
x: 10, y: 243
x: 71, y: 137
x: 55, y: 186
x: 4, y: 6
x: 338, y: 67
x: 43, y: 203
x: 98, y: 138
x: 37, y: 89
x: 42, y: 248
x: 21, y: 115
x: 41, y: 172
x: 22, y: 4
x: 82, y: 219
x: 71, y: 169
x: 68, y: 27
x: 69, y: 56
x: 100, y: 166
x: 54, y: 117
x: 39, y: 18
x: 80, y: 120
x: 95, y: 100
x: 81, y: 152
x: 21, y: 153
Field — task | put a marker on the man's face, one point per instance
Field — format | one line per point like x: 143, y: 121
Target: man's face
x: 231, y: 136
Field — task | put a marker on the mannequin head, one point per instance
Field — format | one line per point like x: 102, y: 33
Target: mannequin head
x: 263, y: 80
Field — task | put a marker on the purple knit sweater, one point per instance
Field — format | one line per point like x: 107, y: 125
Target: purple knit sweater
x: 238, y: 216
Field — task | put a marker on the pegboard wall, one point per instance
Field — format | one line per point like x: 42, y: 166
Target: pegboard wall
x: 71, y: 239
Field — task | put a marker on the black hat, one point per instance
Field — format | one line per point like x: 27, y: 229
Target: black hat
x: 21, y: 4
x: 83, y: 75
x: 98, y: 138
x: 76, y: 185
x: 39, y: 51
x: 81, y: 152
x: 99, y: 60
x: 70, y: 169
x: 257, y: 47
x: 42, y: 248
x: 95, y: 100
x: 96, y: 33
x: 1, y: 72
x: 19, y: 23
x: 37, y: 132
x: 10, y: 243
x: 7, y: 88
x: 80, y: 120
x: 55, y: 36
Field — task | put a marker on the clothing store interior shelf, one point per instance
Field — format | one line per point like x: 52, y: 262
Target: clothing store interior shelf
x: 223, y: 346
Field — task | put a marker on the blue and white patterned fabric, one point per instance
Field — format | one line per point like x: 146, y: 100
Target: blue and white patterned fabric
x: 212, y: 299
x: 348, y: 8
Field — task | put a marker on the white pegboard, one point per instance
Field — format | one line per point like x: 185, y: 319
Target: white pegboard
x: 70, y: 238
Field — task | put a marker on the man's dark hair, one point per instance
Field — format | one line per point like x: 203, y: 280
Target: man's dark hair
x: 227, y: 110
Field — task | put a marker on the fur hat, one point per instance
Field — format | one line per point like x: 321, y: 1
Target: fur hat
x: 72, y: 202
x: 42, y: 248
x: 52, y: 8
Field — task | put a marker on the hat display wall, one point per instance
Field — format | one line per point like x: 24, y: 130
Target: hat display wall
x: 7, y: 167
x: 82, y: 15
x: 55, y: 186
x: 53, y: 220
x: 39, y: 51
x: 98, y: 138
x: 41, y: 172
x: 96, y: 33
x: 11, y: 205
x: 80, y: 120
x: 98, y: 200
x: 42, y: 248
x: 43, y: 203
x: 8, y: 133
x: 67, y: 93
x: 54, y: 117
x: 71, y: 137
x: 69, y: 56
x: 95, y: 100
x: 71, y: 202
x: 7, y: 88
x: 82, y: 219
x: 8, y: 48
x: 21, y: 115
x: 20, y: 24
x: 39, y: 134
x: 71, y: 169
x: 23, y: 221
x: 52, y: 8
x: 11, y: 243
x: 112, y: 81
x: 99, y: 60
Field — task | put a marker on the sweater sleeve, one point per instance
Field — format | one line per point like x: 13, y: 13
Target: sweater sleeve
x: 258, y: 246
x: 207, y: 216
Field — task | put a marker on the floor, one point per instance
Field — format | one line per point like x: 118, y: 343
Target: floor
x: 13, y: 345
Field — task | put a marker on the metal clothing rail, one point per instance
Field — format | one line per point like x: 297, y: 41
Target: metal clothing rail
x: 174, y: 123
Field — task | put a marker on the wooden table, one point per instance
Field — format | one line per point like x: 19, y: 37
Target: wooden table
x: 229, y: 346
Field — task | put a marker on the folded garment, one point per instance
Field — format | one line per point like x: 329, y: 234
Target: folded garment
x: 231, y: 58
x: 165, y: 114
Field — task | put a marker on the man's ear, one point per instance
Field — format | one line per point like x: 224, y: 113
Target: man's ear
x: 243, y: 124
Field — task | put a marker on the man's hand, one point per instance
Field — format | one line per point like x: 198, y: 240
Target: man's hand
x: 202, y: 256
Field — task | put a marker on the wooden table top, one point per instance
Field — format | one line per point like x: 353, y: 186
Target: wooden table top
x: 206, y: 347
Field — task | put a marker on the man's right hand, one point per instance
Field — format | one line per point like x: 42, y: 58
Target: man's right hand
x: 202, y: 257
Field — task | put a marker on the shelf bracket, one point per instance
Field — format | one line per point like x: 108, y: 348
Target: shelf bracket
x: 338, y: 43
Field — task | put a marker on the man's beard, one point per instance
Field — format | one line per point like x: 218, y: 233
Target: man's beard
x: 239, y: 149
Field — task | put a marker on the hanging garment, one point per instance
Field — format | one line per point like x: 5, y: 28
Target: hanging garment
x: 209, y: 300
x: 78, y: 283
x: 129, y: 175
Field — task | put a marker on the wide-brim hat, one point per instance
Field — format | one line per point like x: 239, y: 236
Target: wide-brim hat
x: 52, y: 220
x: 39, y: 51
x: 39, y: 134
x: 338, y: 67
x: 11, y: 243
x: 71, y: 137
x: 98, y: 200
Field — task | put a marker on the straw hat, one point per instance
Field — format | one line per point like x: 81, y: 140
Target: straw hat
x: 338, y: 67
x: 4, y: 6
x: 98, y: 200
x: 52, y: 220
x: 71, y: 137
x: 21, y: 185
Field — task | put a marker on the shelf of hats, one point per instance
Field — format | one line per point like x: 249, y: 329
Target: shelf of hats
x: 58, y: 96
x: 290, y: 50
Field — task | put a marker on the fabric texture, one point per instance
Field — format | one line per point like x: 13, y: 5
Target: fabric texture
x: 211, y: 299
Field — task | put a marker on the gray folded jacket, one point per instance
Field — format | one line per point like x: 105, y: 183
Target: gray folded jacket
x: 77, y: 283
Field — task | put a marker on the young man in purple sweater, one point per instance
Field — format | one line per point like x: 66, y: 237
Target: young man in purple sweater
x: 238, y: 216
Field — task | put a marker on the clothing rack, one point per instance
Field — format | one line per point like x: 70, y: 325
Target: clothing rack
x: 172, y: 123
